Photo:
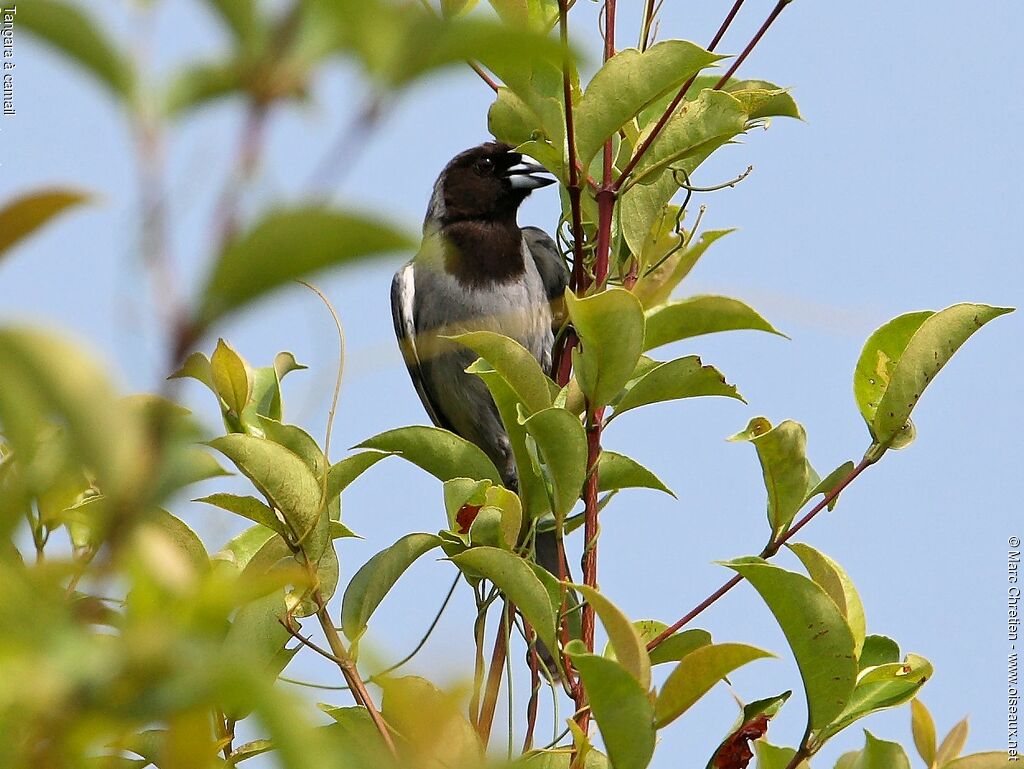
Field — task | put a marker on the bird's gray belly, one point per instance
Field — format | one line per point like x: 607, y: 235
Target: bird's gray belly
x: 517, y: 310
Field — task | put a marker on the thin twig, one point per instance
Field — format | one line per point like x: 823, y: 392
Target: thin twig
x: 768, y: 552
x: 493, y: 688
x: 753, y: 42
x: 670, y: 110
x: 423, y: 640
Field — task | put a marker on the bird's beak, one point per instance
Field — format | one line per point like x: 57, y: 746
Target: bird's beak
x: 522, y: 177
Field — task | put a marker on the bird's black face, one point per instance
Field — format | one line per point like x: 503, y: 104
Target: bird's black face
x: 488, y: 182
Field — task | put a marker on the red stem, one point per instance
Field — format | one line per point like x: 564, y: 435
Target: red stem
x: 753, y: 42
x: 493, y: 686
x: 670, y: 110
x: 768, y: 552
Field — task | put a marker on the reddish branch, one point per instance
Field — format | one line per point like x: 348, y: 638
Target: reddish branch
x: 768, y: 552
x: 667, y: 114
x: 493, y: 687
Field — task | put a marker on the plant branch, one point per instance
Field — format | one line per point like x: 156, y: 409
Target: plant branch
x: 574, y: 189
x: 493, y: 687
x: 670, y: 110
x: 768, y: 552
x: 350, y: 672
x: 753, y: 42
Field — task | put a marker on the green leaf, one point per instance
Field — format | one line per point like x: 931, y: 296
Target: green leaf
x: 45, y: 379
x: 286, y: 481
x: 774, y: 757
x: 297, y: 441
x: 901, y: 359
x: 696, y: 674
x: 879, y: 754
x: 562, y: 443
x: 514, y: 577
x: 257, y: 636
x: 610, y: 325
x: 76, y: 35
x: 878, y: 650
x: 627, y: 83
x: 431, y: 723
x: 879, y: 688
x: 241, y: 549
x: 199, y: 84
x: 953, y: 743
x: 536, y: 14
x: 451, y: 8
x: 241, y: 17
x: 788, y: 476
x: 25, y: 214
x: 183, y: 538
x: 232, y: 377
x: 512, y: 120
x: 617, y: 471
x: 761, y: 98
x: 629, y: 648
x: 989, y: 760
x: 693, y: 132
x: 285, y: 363
x: 681, y: 378
x: 247, y: 507
x: 196, y: 366
x: 532, y: 487
x: 358, y: 737
x: 343, y: 472
x: 621, y: 707
x: 923, y: 727
x: 677, y: 646
x: 816, y: 631
x: 830, y: 482
x: 831, y: 576
x: 376, y: 577
x: 654, y: 287
x: 516, y: 364
x: 700, y: 315
x: 289, y: 244
x: 439, y: 452
x: 751, y: 725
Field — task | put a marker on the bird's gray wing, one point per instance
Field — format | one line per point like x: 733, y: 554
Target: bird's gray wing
x: 403, y: 294
x: 553, y: 272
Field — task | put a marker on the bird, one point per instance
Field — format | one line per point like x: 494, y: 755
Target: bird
x: 478, y: 270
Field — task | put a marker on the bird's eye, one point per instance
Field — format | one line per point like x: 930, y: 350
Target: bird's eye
x: 484, y: 166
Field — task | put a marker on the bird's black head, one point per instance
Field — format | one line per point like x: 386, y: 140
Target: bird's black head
x: 485, y: 183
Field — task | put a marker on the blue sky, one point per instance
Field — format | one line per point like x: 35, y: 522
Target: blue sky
x: 900, y: 192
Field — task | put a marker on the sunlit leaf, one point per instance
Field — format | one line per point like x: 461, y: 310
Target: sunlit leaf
x: 232, y: 377
x: 562, y: 444
x: 629, y: 648
x: 611, y: 327
x: 697, y: 673
x: 681, y: 378
x: 514, y: 577
x: 902, y: 357
x: 75, y: 34
x: 345, y: 471
x: 990, y: 760
x: 286, y: 481
x: 879, y: 754
x: 376, y: 578
x: 952, y: 744
x: 775, y: 757
x: 923, y: 727
x: 878, y: 688
x: 627, y: 83
x: 878, y: 650
x: 656, y: 287
x: 678, y: 645
x: 831, y: 576
x: 289, y: 244
x: 439, y: 452
x: 621, y: 707
x: 816, y: 631
x: 516, y: 364
x: 788, y: 476
x: 247, y: 507
x: 433, y: 728
x: 617, y: 471
x: 22, y: 216
x: 700, y: 315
